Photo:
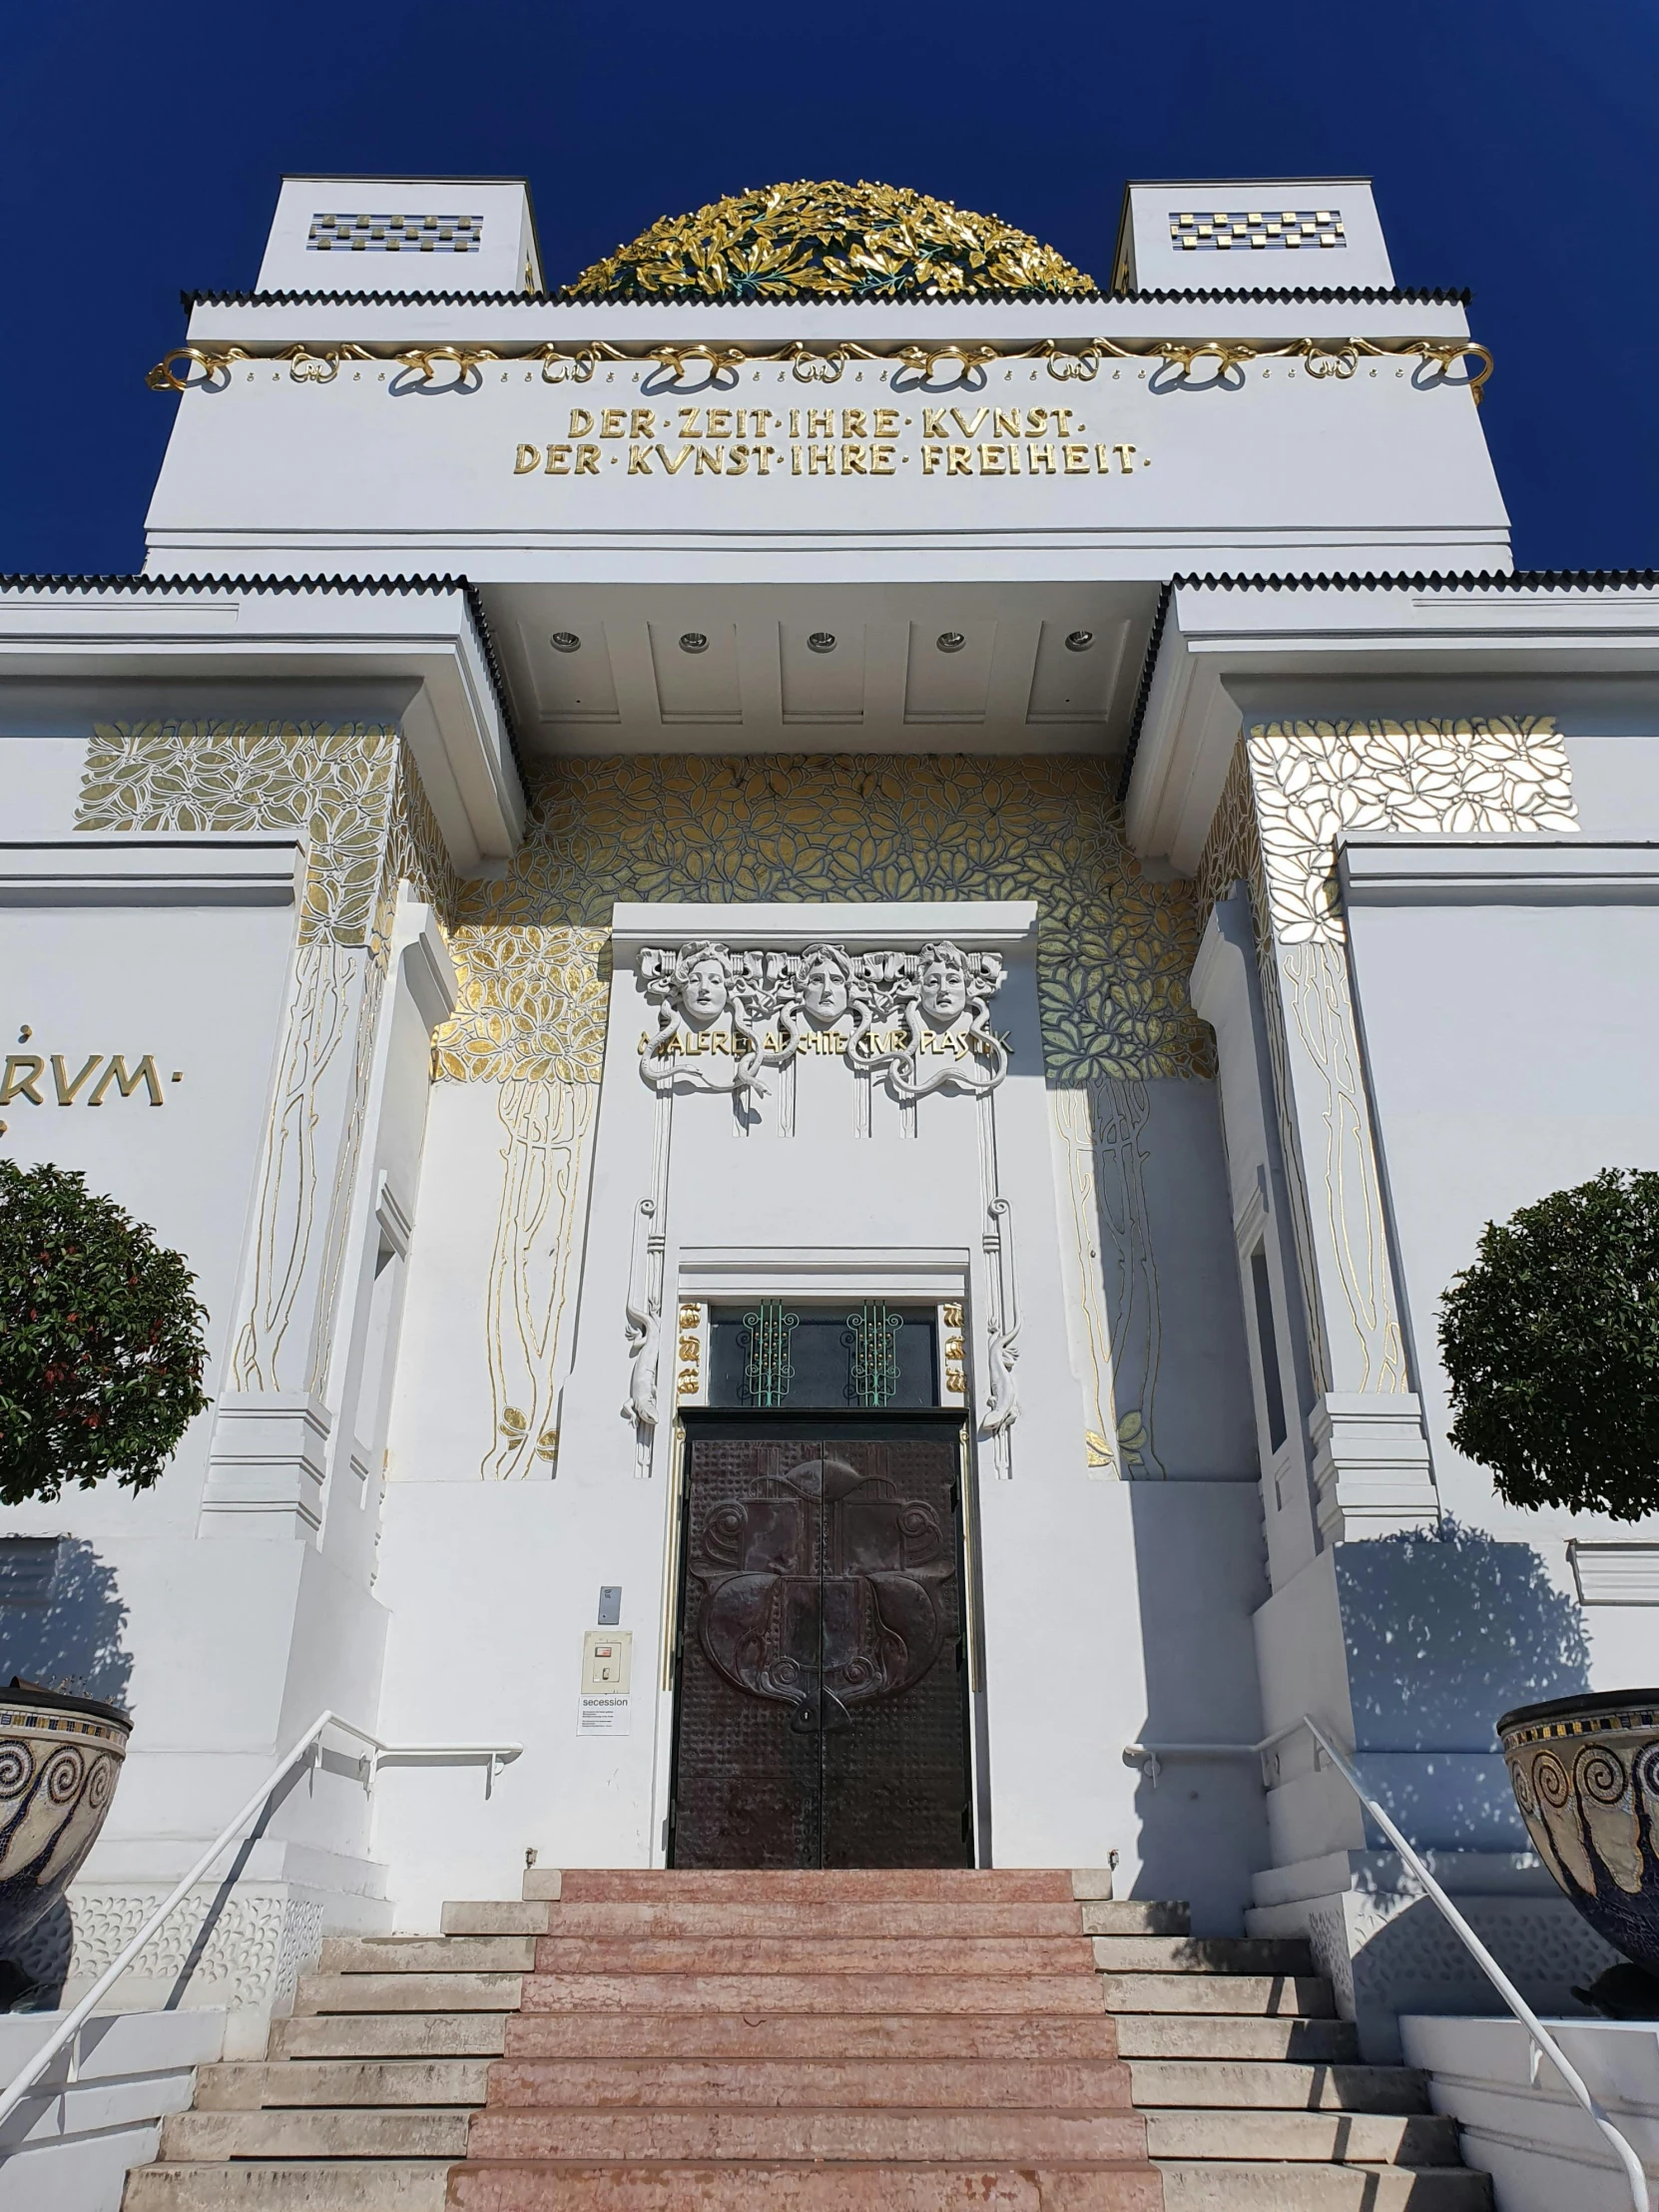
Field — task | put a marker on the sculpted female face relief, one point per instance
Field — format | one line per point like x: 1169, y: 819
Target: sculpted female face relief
x: 824, y: 996
x: 945, y: 986
x: 704, y: 991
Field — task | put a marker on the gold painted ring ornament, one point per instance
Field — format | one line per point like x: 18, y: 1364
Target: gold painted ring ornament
x: 719, y: 360
x: 1321, y: 357
x: 210, y: 361
x: 560, y: 368
x: 465, y: 360
x: 1340, y: 365
x: 1075, y: 367
x: 816, y: 368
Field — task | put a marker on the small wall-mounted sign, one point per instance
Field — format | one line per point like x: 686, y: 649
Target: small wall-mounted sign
x: 607, y: 1669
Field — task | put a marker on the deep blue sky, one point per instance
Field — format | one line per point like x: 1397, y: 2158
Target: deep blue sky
x: 1512, y: 146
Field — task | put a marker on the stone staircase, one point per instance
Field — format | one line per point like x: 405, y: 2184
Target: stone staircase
x: 810, y: 2042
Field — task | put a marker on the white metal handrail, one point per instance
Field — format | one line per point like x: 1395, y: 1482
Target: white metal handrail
x: 72, y: 2024
x: 1150, y: 1757
x: 1543, y: 2041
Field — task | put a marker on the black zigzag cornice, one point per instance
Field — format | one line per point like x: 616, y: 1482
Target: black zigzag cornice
x: 1143, y: 689
x: 1469, y: 579
x: 401, y: 587
x: 1466, y: 580
x: 1434, y: 296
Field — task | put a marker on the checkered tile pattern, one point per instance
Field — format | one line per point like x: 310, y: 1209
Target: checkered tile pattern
x: 1272, y: 229
x: 396, y: 234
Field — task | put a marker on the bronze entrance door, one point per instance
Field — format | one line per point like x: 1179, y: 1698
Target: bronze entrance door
x: 821, y: 1718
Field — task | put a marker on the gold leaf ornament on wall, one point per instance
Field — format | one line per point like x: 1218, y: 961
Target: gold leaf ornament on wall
x: 1113, y: 951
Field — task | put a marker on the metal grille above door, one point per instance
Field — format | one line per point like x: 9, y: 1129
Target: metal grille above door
x: 822, y: 1684
x: 772, y: 1355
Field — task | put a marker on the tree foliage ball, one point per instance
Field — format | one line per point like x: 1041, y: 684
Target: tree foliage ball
x: 101, y: 1346
x: 1551, y: 1344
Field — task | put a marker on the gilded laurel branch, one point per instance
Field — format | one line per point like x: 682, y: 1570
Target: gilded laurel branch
x: 855, y: 240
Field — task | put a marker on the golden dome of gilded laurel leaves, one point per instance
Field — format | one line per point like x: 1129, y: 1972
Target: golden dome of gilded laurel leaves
x: 863, y: 241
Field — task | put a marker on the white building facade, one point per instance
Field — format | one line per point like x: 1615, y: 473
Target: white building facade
x: 628, y: 842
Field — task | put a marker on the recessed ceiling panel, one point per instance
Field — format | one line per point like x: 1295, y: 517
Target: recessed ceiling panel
x: 570, y: 671
x: 949, y: 671
x: 696, y: 667
x: 1075, y: 672
x: 824, y: 670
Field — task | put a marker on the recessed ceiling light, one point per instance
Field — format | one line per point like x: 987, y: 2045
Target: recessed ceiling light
x: 951, y: 641
x: 565, y: 641
x: 821, y: 641
x: 693, y: 641
x: 1079, y: 641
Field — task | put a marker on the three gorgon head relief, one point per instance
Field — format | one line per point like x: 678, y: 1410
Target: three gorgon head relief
x: 895, y: 1005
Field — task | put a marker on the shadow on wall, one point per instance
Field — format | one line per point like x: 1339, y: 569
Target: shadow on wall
x: 1200, y: 1575
x: 62, y: 1619
x: 1445, y: 1631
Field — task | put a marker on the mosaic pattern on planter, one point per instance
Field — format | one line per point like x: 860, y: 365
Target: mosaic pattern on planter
x: 1585, y: 1772
x: 60, y: 1757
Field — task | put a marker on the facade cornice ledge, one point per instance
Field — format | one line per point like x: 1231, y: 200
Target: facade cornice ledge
x: 424, y: 642
x: 1431, y: 871
x: 392, y: 320
x: 859, y: 926
x: 561, y: 297
x: 207, y: 870
x: 1233, y: 649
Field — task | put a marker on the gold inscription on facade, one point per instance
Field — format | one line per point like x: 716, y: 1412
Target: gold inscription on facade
x: 830, y: 441
x: 25, y: 1079
x: 940, y: 1043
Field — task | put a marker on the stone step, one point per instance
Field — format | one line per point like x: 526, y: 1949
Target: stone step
x: 245, y: 2085
x: 383, y: 2185
x: 810, y: 1993
x: 324, y: 2035
x: 495, y: 1916
x: 1222, y: 2035
x: 1239, y: 2186
x: 1349, y: 2138
x: 1135, y: 1917
x: 1301, y: 1996
x: 427, y: 1954
x: 794, y: 2083
x: 533, y: 2187
x: 323, y: 2133
x: 1009, y: 2037
x: 1242, y: 2085
x: 855, y: 2136
x: 408, y: 1992
x: 900, y: 1919
x: 967, y: 1886
x: 1239, y: 1954
x: 773, y: 1954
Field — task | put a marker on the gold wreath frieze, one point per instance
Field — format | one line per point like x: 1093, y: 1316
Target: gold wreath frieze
x: 1216, y: 361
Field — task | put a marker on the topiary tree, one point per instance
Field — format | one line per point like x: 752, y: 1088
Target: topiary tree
x: 101, y: 1348
x: 1551, y: 1344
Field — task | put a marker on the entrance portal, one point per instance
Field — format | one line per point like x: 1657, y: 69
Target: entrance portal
x: 822, y: 1717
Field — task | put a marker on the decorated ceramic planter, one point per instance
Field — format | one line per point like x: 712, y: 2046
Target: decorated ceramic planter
x: 1585, y: 1772
x: 60, y: 1757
